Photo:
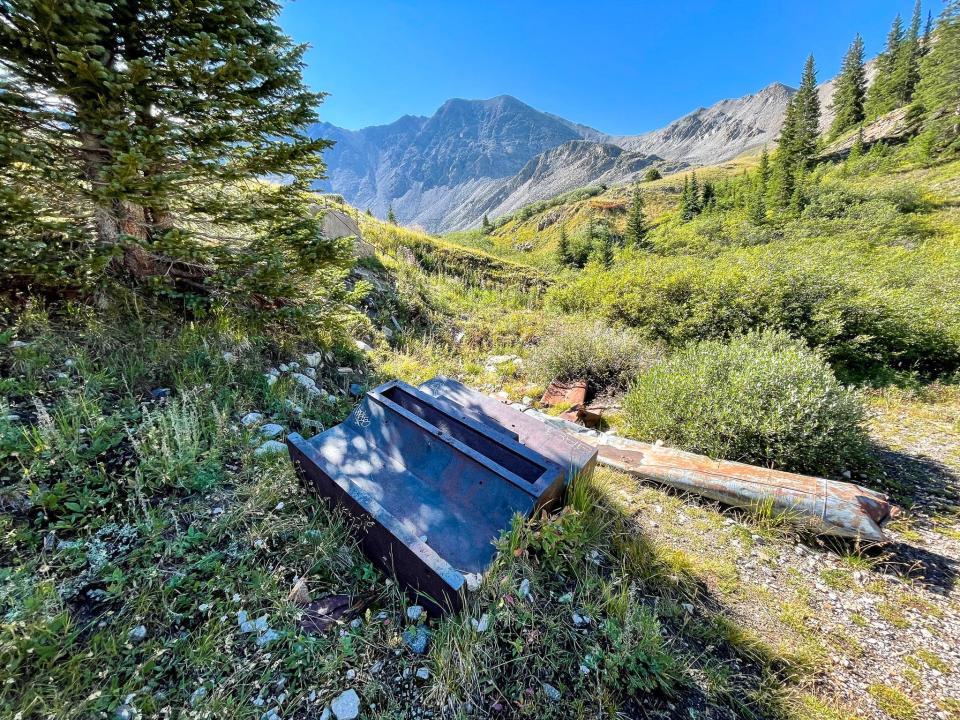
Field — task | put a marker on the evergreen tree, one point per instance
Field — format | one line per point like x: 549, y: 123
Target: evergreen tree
x: 906, y: 68
x: 708, y: 198
x: 851, y: 90
x: 636, y: 231
x: 939, y: 88
x: 808, y: 127
x: 758, y: 202
x: 881, y: 97
x: 652, y: 174
x: 369, y: 212
x: 391, y: 215
x: 564, y: 255
x: 486, y: 226
x: 156, y: 121
x: 694, y: 193
x: 856, y: 150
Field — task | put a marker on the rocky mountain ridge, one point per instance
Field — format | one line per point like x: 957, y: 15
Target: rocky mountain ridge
x: 487, y: 157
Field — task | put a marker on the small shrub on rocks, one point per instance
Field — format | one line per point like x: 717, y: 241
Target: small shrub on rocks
x: 762, y: 398
x: 604, y: 356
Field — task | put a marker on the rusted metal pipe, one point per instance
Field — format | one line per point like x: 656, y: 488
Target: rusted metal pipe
x: 827, y: 507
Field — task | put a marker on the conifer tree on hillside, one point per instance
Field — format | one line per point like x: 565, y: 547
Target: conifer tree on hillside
x: 391, y: 216
x: 938, y: 92
x: 153, y: 123
x: 564, y: 254
x: 906, y: 68
x: 851, y: 90
x: 636, y: 231
x: 881, y: 97
x: 798, y: 135
x: 485, y: 226
x: 757, y: 205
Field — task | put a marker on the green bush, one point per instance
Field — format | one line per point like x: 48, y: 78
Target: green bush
x: 762, y: 398
x: 592, y: 351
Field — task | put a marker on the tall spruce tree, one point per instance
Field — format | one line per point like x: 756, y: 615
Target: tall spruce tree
x: 391, y: 215
x: 154, y: 122
x: 850, y: 91
x: 881, y: 97
x: 757, y: 205
x: 798, y: 135
x: 564, y: 254
x: 636, y: 231
x: 939, y: 89
x: 906, y: 68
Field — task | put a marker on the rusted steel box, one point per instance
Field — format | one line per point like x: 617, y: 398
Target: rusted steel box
x: 432, y: 486
x: 574, y: 456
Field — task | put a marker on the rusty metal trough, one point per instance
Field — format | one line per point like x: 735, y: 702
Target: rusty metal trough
x: 434, y: 482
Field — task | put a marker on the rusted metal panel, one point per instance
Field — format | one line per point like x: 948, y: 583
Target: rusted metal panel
x: 433, y: 487
x: 569, y: 452
x: 827, y: 506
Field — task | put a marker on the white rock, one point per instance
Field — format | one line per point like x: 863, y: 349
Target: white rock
x: 271, y: 379
x: 229, y: 357
x: 198, y: 695
x: 270, y: 447
x: 414, y: 612
x: 473, y: 580
x: 271, y: 430
x: 325, y: 715
x: 423, y: 673
x: 310, y: 372
x: 346, y: 705
x: 361, y: 345
x: 294, y: 365
x: 527, y: 400
x: 17, y: 344
x: 524, y: 590
x: 251, y: 419
x: 350, y: 674
x: 387, y: 332
x: 305, y: 380
x: 314, y: 359
x: 481, y: 625
x: 138, y: 633
x: 284, y: 367
x: 551, y: 692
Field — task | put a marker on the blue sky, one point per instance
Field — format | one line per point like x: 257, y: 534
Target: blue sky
x: 620, y: 67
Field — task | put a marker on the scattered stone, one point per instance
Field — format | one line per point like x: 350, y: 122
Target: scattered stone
x: 158, y: 393
x: 270, y: 447
x: 344, y: 371
x: 294, y: 365
x: 414, y: 612
x: 125, y: 712
x: 11, y: 418
x: 271, y: 714
x: 229, y: 357
x: 350, y: 674
x: 458, y: 338
x: 416, y: 637
x: 503, y: 395
x: 138, y: 634
x: 314, y: 360
x: 305, y: 380
x: 481, y: 625
x: 524, y: 590
x: 387, y: 332
x: 346, y: 705
x: 284, y: 367
x: 566, y: 598
x: 325, y: 715
x: 310, y: 372
x: 580, y: 620
x: 293, y: 407
x: 361, y: 345
x: 198, y: 696
x: 688, y: 607
x: 18, y: 344
x: 423, y: 673
x: 551, y: 692
x: 299, y: 594
x: 271, y: 379
x: 251, y: 419
x: 473, y: 580
x: 526, y: 401
x: 271, y: 430
x: 203, y: 607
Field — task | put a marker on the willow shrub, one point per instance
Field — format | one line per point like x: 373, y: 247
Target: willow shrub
x: 762, y: 398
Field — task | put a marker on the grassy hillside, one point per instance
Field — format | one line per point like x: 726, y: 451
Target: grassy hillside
x: 530, y: 234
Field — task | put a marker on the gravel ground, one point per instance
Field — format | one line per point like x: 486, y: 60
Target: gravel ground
x: 881, y: 626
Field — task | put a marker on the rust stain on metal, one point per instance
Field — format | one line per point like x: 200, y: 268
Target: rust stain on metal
x: 827, y: 506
